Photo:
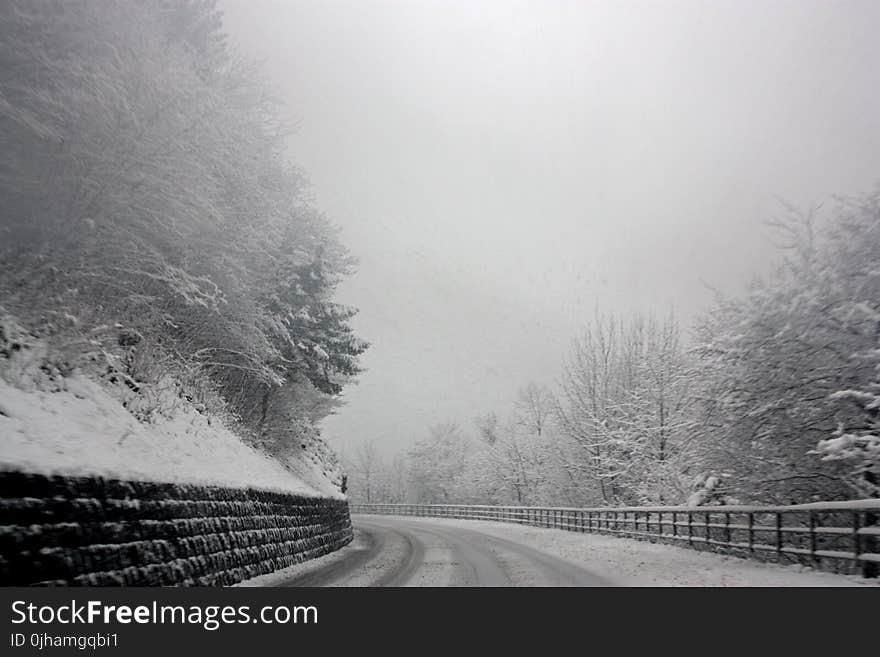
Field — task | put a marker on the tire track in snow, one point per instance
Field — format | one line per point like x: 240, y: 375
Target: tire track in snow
x: 396, y: 551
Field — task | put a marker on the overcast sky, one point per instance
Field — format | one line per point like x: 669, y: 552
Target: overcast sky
x: 502, y: 168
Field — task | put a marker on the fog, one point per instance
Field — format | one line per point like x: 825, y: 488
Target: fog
x: 503, y: 169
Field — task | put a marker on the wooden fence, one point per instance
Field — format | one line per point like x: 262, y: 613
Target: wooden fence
x: 836, y: 536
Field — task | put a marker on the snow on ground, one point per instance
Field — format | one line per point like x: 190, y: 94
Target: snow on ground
x: 628, y: 562
x: 83, y: 430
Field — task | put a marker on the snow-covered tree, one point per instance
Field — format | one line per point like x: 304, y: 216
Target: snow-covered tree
x: 365, y: 469
x: 145, y: 186
x: 789, y: 369
x: 436, y: 465
x: 534, y: 408
x: 624, y: 408
x: 511, y: 467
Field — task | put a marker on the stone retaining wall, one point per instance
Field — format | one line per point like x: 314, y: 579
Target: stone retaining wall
x: 76, y: 531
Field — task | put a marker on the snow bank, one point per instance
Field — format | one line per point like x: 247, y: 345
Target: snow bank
x: 82, y: 430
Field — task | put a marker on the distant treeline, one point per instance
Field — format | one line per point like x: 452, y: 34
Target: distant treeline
x: 774, y: 398
x: 152, y: 231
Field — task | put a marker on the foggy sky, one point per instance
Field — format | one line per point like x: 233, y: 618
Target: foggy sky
x: 502, y: 169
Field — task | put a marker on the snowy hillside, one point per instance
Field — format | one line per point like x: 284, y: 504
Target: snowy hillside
x: 70, y: 424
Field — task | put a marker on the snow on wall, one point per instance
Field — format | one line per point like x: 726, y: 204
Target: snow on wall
x: 82, y: 430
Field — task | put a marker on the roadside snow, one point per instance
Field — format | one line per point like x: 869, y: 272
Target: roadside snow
x: 84, y: 431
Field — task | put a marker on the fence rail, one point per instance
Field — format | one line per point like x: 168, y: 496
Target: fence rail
x: 837, y: 536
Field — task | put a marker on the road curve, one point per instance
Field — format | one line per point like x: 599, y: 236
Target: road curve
x: 406, y: 551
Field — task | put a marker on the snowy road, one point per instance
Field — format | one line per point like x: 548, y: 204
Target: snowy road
x: 395, y: 551
x: 411, y: 551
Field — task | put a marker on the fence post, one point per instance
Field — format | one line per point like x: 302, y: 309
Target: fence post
x: 706, y: 521
x: 812, y: 537
x: 751, y: 523
x: 778, y: 534
x: 857, y: 543
x: 870, y: 544
x: 727, y: 529
x: 675, y: 523
x: 690, y: 528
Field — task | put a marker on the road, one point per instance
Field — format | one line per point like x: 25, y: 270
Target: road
x: 406, y: 551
